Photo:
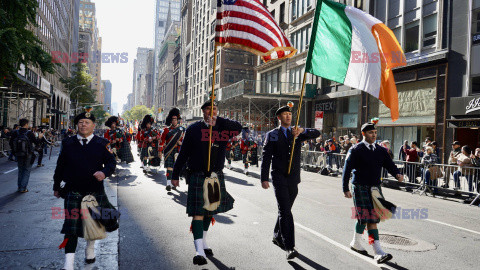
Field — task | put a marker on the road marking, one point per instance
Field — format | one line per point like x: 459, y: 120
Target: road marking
x: 325, y: 238
x: 453, y: 226
x: 10, y: 171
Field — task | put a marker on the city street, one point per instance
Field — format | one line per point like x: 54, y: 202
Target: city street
x: 154, y: 228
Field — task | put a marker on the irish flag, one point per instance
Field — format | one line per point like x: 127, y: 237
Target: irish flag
x: 351, y: 47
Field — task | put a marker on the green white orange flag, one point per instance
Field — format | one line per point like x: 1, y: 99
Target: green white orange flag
x: 352, y: 47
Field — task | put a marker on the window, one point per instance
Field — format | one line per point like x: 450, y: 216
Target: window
x: 476, y: 21
x: 273, y: 14
x: 411, y: 36
x: 476, y: 85
x: 429, y: 30
x: 282, y: 13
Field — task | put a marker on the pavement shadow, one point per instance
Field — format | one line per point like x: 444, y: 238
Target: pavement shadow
x: 237, y: 181
x: 223, y: 219
x: 125, y: 181
x: 390, y: 264
x: 311, y: 263
x: 296, y: 266
x: 8, y: 198
x: 180, y: 198
x: 219, y: 264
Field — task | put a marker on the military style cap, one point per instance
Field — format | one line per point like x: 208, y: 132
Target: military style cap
x: 285, y: 108
x: 368, y: 126
x: 84, y: 115
x: 456, y: 143
x: 208, y: 103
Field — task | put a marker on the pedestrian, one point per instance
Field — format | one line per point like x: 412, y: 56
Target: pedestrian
x: 22, y: 143
x: 452, y: 162
x: 118, y: 141
x: 83, y: 164
x: 276, y: 151
x: 401, y: 154
x: 42, y: 144
x: 171, y: 142
x: 12, y: 156
x: 430, y: 171
x: 464, y: 169
x: 195, y: 153
x: 411, y: 161
x: 366, y: 160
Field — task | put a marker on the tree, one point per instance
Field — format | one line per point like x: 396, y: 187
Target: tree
x: 137, y: 113
x: 18, y: 44
x: 79, y: 83
x: 100, y: 115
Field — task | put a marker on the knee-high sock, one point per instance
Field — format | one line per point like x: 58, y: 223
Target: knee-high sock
x: 359, y: 228
x: 197, y: 230
x: 206, y: 225
x: 69, y: 261
x: 71, y: 246
x: 90, y: 249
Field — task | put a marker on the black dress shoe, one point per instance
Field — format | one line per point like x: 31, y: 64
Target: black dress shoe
x: 89, y: 261
x: 208, y: 252
x: 199, y: 260
x: 291, y: 254
x: 168, y: 188
x: 363, y: 252
x: 383, y: 258
x: 278, y: 242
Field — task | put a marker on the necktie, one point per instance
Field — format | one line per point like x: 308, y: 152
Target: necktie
x: 84, y: 142
x: 371, y: 147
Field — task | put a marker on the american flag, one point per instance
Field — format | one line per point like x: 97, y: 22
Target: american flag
x: 248, y: 25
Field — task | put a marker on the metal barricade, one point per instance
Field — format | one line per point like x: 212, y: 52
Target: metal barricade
x: 433, y: 178
x: 313, y: 160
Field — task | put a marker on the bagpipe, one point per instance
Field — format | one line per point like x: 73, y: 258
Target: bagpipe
x: 173, y: 140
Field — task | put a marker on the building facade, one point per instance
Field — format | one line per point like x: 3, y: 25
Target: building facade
x: 42, y: 98
x: 107, y: 90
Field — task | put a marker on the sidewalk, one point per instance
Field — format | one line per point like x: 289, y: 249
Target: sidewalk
x: 29, y: 235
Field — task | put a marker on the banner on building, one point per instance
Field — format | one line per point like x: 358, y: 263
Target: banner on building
x: 319, y: 120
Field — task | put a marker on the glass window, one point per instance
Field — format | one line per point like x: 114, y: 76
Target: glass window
x: 397, y: 32
x: 411, y: 36
x: 476, y: 85
x: 476, y: 21
x: 429, y: 30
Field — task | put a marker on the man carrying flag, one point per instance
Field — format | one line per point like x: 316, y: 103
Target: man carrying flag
x: 352, y: 47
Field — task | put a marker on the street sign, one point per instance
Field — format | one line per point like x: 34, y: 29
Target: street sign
x: 319, y: 120
x: 45, y: 120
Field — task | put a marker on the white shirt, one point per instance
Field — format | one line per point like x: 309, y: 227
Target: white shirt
x: 368, y: 145
x: 88, y: 138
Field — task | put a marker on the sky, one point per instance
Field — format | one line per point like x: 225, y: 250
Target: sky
x: 124, y: 25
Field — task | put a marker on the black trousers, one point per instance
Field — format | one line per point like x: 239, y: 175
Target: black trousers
x: 284, y: 228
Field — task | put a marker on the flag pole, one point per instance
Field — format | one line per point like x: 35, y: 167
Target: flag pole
x: 212, y: 98
x: 298, y: 118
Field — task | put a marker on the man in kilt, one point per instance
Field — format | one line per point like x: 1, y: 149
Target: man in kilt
x: 119, y: 143
x: 247, y: 145
x: 194, y: 153
x: 148, y: 143
x: 170, y: 142
x: 229, y: 152
x: 83, y: 164
x: 276, y: 151
x: 365, y: 160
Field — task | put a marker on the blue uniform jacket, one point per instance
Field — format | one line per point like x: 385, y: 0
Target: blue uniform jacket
x: 366, y: 165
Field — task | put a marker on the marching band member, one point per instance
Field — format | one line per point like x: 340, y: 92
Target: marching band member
x: 204, y: 201
x: 148, y: 143
x: 366, y: 160
x: 276, y: 151
x: 170, y: 142
x: 247, y: 145
x: 119, y: 142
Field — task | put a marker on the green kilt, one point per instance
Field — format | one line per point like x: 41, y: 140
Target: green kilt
x: 170, y: 160
x: 144, y: 152
x: 125, y: 153
x: 195, y: 200
x: 364, y: 209
x: 73, y: 204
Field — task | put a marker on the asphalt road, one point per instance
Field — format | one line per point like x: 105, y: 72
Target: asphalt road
x: 154, y: 229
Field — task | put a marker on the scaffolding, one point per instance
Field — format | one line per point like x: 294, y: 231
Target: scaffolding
x: 253, y: 103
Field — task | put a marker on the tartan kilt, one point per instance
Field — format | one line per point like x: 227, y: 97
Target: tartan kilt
x: 144, y: 152
x: 364, y: 209
x: 195, y: 200
x: 170, y: 160
x: 125, y: 153
x: 237, y: 154
x: 73, y: 201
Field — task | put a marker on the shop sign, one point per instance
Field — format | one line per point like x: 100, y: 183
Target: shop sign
x: 465, y: 106
x: 326, y: 106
